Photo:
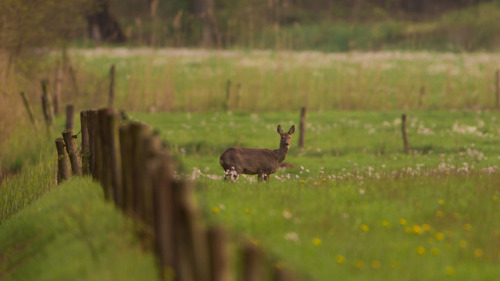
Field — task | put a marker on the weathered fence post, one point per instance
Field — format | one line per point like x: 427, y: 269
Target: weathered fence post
x: 127, y: 158
x: 95, y: 145
x: 218, y: 254
x: 72, y: 150
x: 110, y: 170
x: 404, y: 132
x: 62, y: 162
x: 164, y: 219
x: 48, y: 111
x: 283, y: 274
x: 111, y: 86
x: 70, y: 116
x: 302, y: 126
x: 252, y: 262
x: 28, y: 108
x: 190, y: 237
x: 85, y: 150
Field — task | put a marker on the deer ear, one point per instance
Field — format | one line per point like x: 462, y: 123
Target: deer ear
x: 292, y: 130
x: 280, y: 131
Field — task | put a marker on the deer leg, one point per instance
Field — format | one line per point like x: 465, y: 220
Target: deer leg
x: 263, y: 176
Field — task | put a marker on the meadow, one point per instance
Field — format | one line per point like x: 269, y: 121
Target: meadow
x: 352, y: 205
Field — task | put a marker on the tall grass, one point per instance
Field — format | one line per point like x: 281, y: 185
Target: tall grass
x: 195, y: 80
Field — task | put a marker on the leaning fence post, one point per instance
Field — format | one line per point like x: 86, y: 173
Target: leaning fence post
x: 62, y: 162
x: 302, y: 126
x: 404, y: 132
x: 28, y: 108
x: 72, y: 150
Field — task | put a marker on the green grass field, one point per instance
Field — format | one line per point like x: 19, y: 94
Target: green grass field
x: 352, y: 206
x: 355, y: 206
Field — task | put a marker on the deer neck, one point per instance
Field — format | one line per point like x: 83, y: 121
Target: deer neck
x: 281, y: 153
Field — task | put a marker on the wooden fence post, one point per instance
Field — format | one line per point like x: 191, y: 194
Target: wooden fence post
x: 85, y: 151
x: 164, y: 219
x: 302, y: 126
x: 95, y: 144
x: 111, y: 86
x: 218, y: 254
x: 110, y: 169
x: 190, y: 236
x: 62, y: 162
x: 70, y: 116
x: 252, y: 262
x: 127, y: 158
x: 28, y: 108
x: 72, y: 150
x: 404, y: 132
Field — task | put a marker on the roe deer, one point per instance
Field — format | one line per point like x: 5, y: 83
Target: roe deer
x: 251, y: 161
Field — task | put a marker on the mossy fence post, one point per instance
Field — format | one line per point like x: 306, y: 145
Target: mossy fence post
x: 27, y: 105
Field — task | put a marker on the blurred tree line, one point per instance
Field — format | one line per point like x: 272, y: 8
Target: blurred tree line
x: 295, y: 24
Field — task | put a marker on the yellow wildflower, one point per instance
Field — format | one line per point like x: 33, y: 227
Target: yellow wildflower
x: 365, y: 228
x: 316, y: 241
x: 340, y: 259
x: 439, y: 236
x: 449, y: 270
x: 403, y: 221
x: 421, y: 250
x: 375, y: 264
x: 216, y: 210
x: 478, y: 253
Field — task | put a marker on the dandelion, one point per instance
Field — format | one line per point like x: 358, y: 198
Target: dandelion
x: 216, y: 210
x: 417, y: 229
x: 365, y: 228
x: 449, y: 270
x: 462, y: 243
x: 439, y: 213
x: 408, y: 230
x: 440, y: 236
x: 441, y: 202
x: 246, y: 210
x: 359, y: 264
x: 375, y: 264
x: 495, y: 198
x: 426, y: 227
x: 467, y: 226
x: 316, y: 241
x: 421, y: 250
x: 340, y: 259
x: 478, y: 253
x: 385, y: 223
x: 403, y: 221
x: 435, y: 251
